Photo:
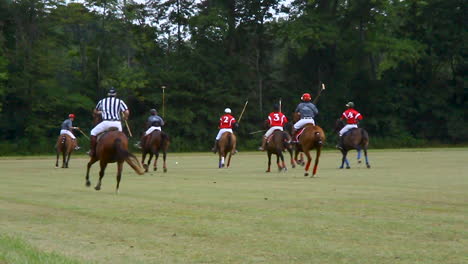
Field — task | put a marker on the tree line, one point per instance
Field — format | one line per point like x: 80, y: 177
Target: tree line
x: 403, y: 63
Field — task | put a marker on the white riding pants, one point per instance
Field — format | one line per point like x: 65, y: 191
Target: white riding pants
x: 68, y: 132
x: 151, y: 129
x: 346, y: 128
x: 221, y: 131
x: 270, y: 131
x: 105, y: 125
x: 303, y: 122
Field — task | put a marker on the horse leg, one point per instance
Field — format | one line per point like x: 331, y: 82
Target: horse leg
x: 90, y: 163
x: 143, y: 157
x: 358, y: 155
x: 221, y: 160
x: 56, y: 162
x: 64, y: 158
x: 119, y: 175
x: 269, y: 161
x: 367, y: 160
x: 229, y: 159
x: 293, y: 162
x: 309, y: 159
x: 317, y: 157
x: 279, y: 156
x: 164, y: 161
x: 101, y: 175
x: 155, y: 165
x: 149, y: 161
x: 68, y: 159
x: 344, y: 159
x: 283, y: 165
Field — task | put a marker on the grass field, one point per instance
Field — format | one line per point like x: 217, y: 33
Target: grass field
x: 410, y: 207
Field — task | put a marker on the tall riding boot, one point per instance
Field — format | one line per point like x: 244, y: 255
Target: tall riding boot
x: 76, y: 144
x: 293, y: 136
x: 215, y: 147
x: 340, y: 143
x: 92, y: 151
x: 264, y: 140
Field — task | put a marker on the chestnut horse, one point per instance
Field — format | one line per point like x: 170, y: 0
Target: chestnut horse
x: 312, y: 137
x: 226, y: 144
x: 356, y: 138
x: 65, y: 145
x: 156, y: 142
x: 279, y: 141
x: 112, y: 146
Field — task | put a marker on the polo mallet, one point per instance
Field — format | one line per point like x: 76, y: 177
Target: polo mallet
x: 258, y: 131
x: 280, y: 106
x: 126, y: 124
x: 319, y: 93
x: 83, y: 133
x: 163, y: 101
x: 243, y: 110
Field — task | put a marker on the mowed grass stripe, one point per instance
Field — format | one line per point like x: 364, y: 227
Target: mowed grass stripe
x: 408, y: 204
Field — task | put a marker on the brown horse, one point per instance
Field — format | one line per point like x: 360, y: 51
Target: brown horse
x: 356, y: 138
x: 156, y: 142
x: 65, y: 145
x: 312, y: 137
x: 226, y: 144
x: 112, y: 146
x: 279, y: 141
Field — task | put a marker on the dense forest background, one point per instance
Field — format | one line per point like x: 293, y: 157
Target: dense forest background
x: 403, y: 63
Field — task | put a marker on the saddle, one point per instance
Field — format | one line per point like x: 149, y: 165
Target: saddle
x: 271, y: 136
x: 100, y: 135
x: 349, y: 131
x: 299, y: 133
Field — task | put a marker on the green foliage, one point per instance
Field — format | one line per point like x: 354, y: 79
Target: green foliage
x: 403, y: 63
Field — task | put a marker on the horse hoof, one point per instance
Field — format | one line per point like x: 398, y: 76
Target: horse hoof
x: 348, y: 168
x: 306, y: 174
x: 267, y: 171
x: 155, y: 169
x: 97, y: 188
x: 359, y: 161
x: 340, y: 167
x: 165, y: 170
x: 368, y: 166
x: 293, y: 166
x: 285, y: 169
x: 88, y: 183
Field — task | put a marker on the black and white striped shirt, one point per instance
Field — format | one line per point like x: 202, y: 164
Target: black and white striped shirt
x: 111, y: 108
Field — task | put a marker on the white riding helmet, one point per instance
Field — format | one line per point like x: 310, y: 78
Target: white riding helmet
x: 227, y: 110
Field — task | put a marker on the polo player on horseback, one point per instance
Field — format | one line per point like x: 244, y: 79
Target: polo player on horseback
x: 352, y: 119
x: 154, y: 122
x: 226, y: 123
x: 276, y: 120
x: 110, y: 109
x: 307, y: 111
x: 67, y: 127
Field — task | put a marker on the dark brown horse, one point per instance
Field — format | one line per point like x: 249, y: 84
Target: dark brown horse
x: 312, y: 137
x: 279, y: 141
x: 226, y: 145
x: 356, y: 138
x: 65, y: 145
x: 156, y: 142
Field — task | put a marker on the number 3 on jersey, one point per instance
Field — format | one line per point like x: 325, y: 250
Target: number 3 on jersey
x: 276, y: 117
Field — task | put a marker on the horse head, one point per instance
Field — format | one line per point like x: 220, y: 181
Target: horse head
x: 339, y: 124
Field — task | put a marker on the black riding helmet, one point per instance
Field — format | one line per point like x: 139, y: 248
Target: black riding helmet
x: 276, y: 107
x: 112, y: 91
x: 153, y: 111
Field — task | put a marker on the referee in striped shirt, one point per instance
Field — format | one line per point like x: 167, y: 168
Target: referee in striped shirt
x: 110, y: 109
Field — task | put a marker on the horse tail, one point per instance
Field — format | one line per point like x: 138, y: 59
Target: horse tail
x: 123, y: 154
x: 365, y: 137
x: 229, y: 140
x: 318, y: 138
